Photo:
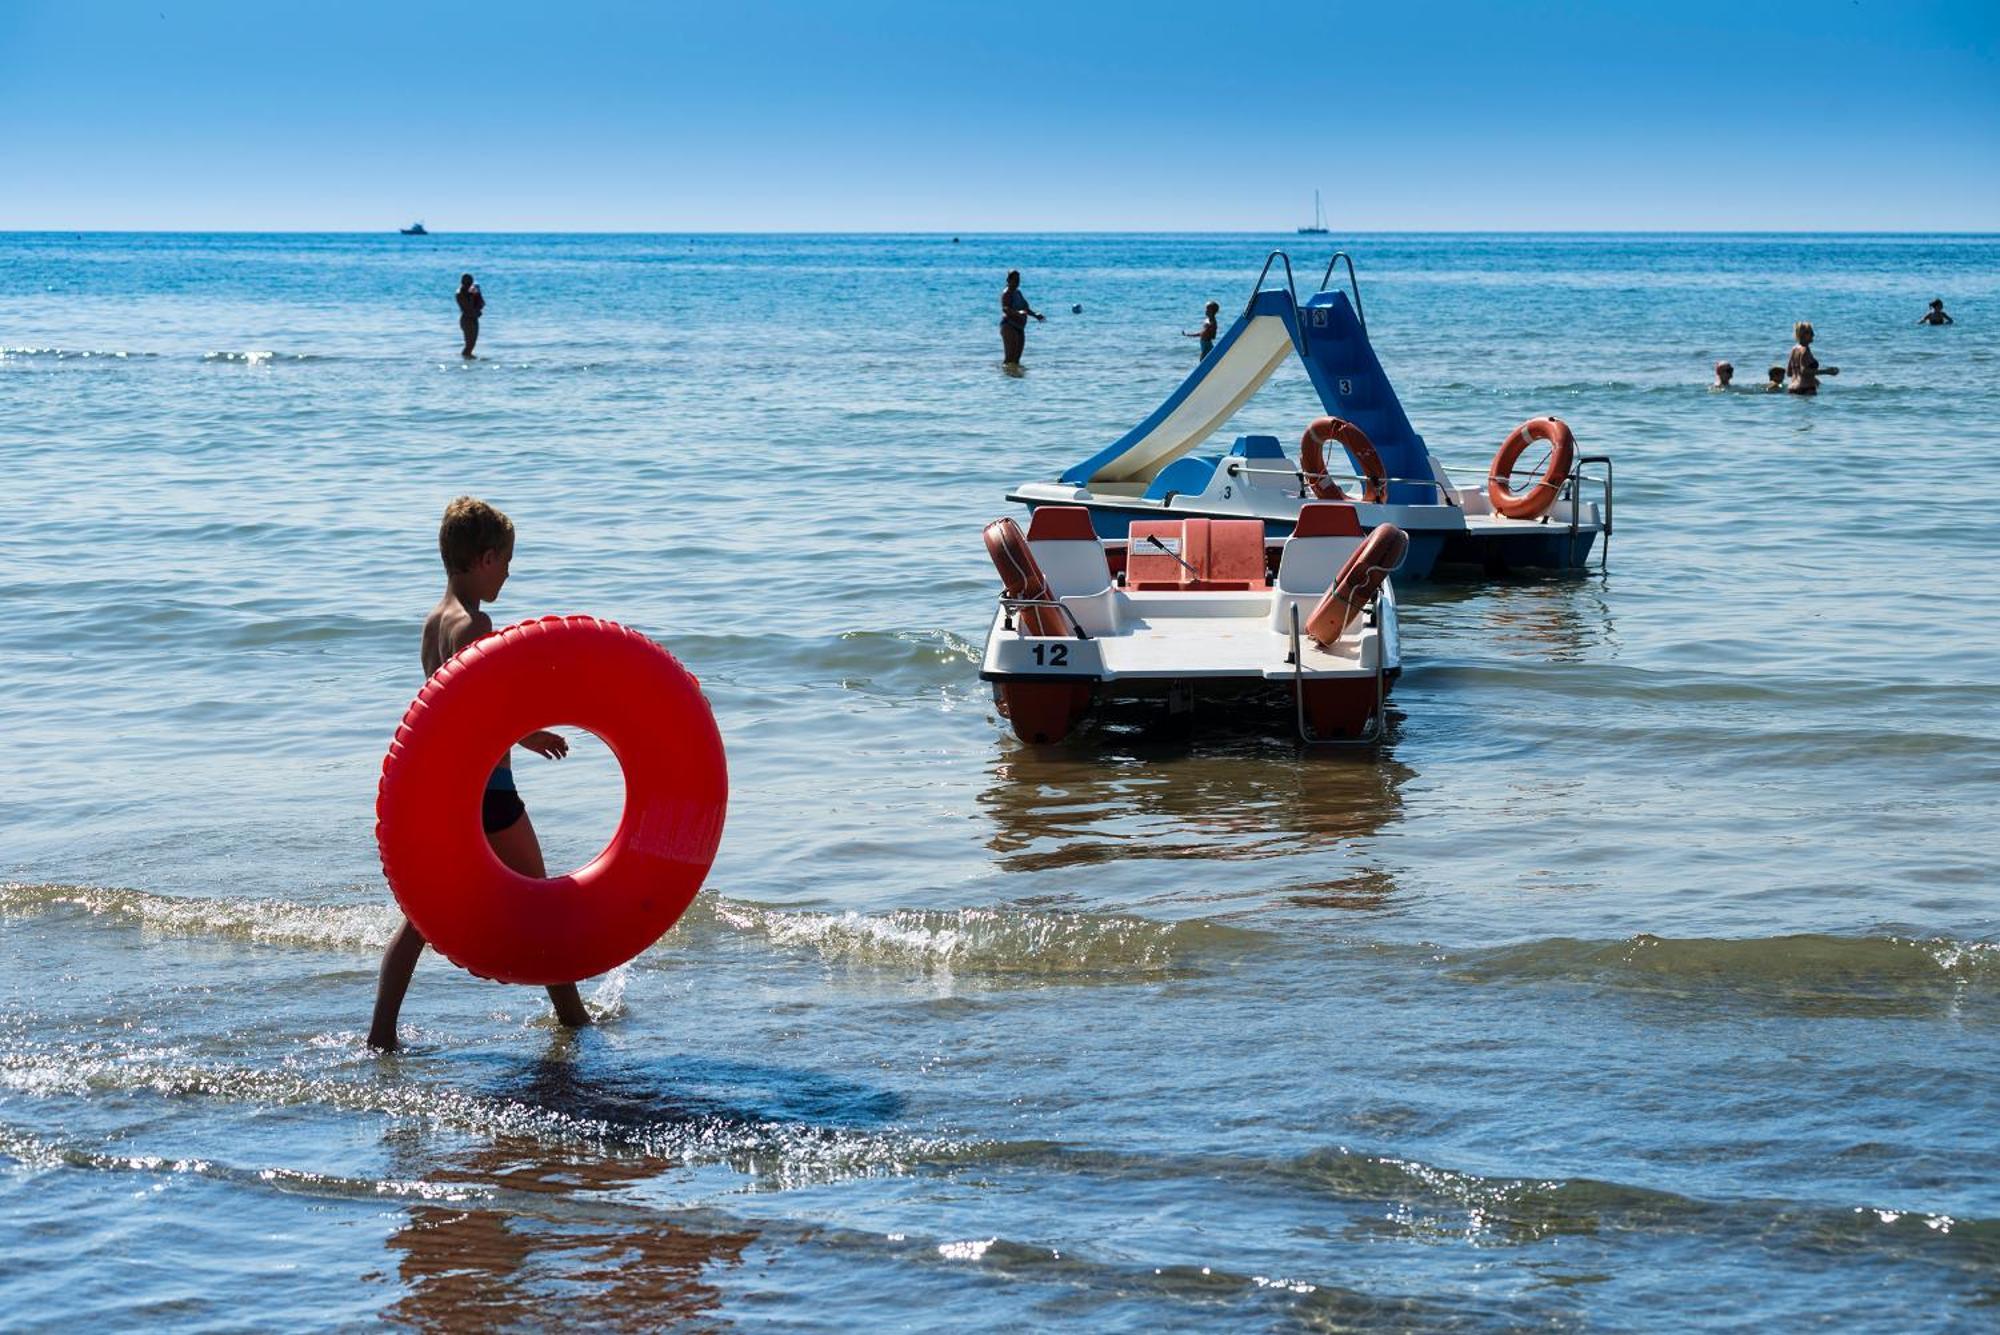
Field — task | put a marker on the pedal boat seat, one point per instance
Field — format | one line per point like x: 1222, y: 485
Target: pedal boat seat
x: 1214, y: 555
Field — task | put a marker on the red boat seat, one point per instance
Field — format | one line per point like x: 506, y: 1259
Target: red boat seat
x: 1052, y: 523
x: 1213, y: 555
x: 1326, y: 519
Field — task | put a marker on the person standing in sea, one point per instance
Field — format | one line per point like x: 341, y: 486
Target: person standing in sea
x: 471, y: 304
x: 1208, y: 327
x: 1802, y: 369
x: 1014, y: 313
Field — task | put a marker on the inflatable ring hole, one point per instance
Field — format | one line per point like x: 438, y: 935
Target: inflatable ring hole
x: 576, y: 803
x: 1528, y: 469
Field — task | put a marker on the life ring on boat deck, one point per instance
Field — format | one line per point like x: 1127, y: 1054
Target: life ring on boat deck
x: 1354, y: 587
x: 1312, y: 460
x: 1536, y: 500
x: 579, y: 672
x: 1021, y: 576
x: 1039, y: 711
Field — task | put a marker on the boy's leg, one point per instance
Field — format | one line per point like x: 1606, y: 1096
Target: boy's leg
x: 398, y: 962
x: 518, y: 848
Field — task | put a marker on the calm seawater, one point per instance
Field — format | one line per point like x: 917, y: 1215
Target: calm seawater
x: 1650, y: 975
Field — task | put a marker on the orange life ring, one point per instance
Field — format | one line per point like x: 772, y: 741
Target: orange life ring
x: 1021, y: 576
x: 1040, y: 711
x: 1354, y: 587
x: 576, y: 671
x: 1536, y: 500
x: 1312, y: 460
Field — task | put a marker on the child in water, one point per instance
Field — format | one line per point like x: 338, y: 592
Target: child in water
x: 1207, y: 331
x: 1724, y: 373
x: 1777, y: 381
x: 477, y: 544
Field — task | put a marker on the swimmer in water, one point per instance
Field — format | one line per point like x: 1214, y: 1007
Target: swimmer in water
x: 471, y: 305
x: 1777, y: 381
x: 1724, y: 373
x: 1207, y: 331
x: 1935, y: 315
x: 477, y: 544
x: 1802, y: 369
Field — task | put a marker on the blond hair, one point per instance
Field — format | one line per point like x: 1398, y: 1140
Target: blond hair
x: 1802, y: 332
x: 470, y: 529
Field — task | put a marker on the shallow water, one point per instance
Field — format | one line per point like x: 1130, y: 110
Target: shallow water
x: 1653, y: 966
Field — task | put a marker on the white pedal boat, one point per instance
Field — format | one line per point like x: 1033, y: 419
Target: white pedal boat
x: 1475, y: 520
x: 1195, y: 607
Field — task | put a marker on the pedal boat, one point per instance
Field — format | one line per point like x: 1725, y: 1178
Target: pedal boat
x: 1182, y: 607
x: 1469, y: 520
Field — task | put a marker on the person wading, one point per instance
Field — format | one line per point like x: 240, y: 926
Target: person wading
x: 1014, y: 313
x: 471, y: 303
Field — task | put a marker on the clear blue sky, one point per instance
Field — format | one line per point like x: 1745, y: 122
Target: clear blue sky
x: 787, y: 115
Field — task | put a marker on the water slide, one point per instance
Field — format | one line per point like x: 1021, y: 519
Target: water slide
x: 1352, y: 385
x: 1242, y: 360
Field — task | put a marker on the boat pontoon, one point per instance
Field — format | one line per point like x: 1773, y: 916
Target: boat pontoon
x: 1152, y: 471
x: 1181, y: 607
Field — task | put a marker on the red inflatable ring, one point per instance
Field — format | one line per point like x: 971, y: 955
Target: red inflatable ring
x: 584, y: 673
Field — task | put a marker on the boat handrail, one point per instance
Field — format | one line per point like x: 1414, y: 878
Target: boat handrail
x: 1238, y: 466
x: 1572, y: 487
x: 1013, y: 605
x: 1379, y: 720
x: 1353, y: 284
x: 1290, y: 285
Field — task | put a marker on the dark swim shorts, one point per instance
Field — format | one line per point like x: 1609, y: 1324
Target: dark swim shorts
x: 500, y: 808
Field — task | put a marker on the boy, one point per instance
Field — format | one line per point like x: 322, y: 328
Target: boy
x: 1207, y: 331
x: 1724, y: 373
x: 477, y: 544
x: 1776, y: 383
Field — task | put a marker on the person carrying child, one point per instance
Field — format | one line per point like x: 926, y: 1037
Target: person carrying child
x: 477, y: 544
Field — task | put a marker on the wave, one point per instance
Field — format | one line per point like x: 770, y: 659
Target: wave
x: 972, y: 941
x: 263, y: 357
x: 263, y: 921
x: 70, y: 354
x: 996, y: 942
x: 1427, y: 1202
x: 598, y: 1224
x: 782, y: 1151
x: 1843, y: 972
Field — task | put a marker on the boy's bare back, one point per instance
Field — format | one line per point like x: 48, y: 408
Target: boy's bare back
x: 450, y: 627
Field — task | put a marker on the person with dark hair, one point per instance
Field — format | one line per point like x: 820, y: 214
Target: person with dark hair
x: 1207, y: 331
x: 1935, y: 315
x: 1014, y: 313
x: 471, y: 303
x: 1724, y: 374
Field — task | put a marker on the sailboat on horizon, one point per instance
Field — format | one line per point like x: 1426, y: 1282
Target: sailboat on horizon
x: 1318, y: 227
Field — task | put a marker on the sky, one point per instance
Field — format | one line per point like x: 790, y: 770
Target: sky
x: 880, y: 115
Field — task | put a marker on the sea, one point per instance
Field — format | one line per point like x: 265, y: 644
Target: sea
x: 1647, y: 976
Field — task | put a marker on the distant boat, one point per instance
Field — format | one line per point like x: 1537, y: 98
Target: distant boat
x: 418, y: 229
x: 1318, y: 227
